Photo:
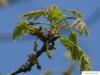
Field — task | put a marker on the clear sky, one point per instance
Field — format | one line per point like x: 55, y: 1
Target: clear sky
x: 14, y: 54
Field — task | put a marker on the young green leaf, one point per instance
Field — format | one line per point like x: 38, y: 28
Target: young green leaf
x: 22, y: 22
x: 50, y: 8
x: 56, y: 14
x: 80, y: 26
x: 73, y: 37
x: 85, y: 64
x: 75, y: 13
x: 66, y: 42
x: 21, y: 29
x: 86, y: 31
x: 33, y: 14
x: 17, y: 32
x: 31, y: 23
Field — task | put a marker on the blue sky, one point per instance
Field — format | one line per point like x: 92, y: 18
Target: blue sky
x: 14, y: 54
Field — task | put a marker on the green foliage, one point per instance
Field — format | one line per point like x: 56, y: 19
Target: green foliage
x: 33, y: 14
x: 73, y: 37
x: 85, y: 64
x: 75, y: 13
x: 50, y: 8
x: 86, y: 31
x: 22, y: 29
x: 80, y: 26
x: 19, y: 30
x: 55, y: 15
x: 75, y: 52
x: 66, y: 42
x: 48, y: 35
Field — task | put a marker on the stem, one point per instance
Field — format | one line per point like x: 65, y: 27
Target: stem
x: 28, y: 65
x: 66, y: 18
x: 34, y: 58
x: 36, y: 32
x: 42, y: 23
